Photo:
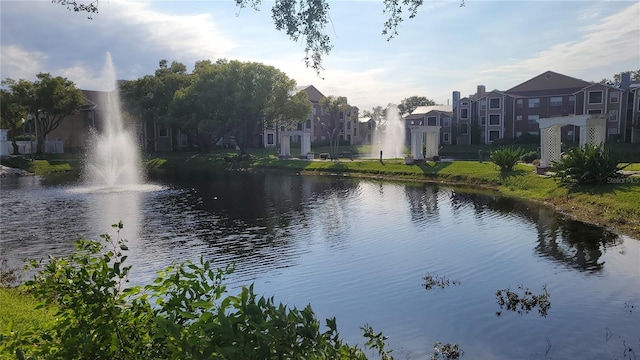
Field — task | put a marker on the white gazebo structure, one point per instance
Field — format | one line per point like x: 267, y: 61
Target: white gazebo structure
x: 285, y: 143
x: 592, y: 131
x: 421, y: 134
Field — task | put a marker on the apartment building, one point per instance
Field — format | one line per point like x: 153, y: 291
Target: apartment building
x: 485, y: 117
x: 318, y: 124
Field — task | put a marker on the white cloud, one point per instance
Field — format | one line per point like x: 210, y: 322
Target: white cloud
x: 192, y: 37
x: 444, y: 48
x: 19, y: 63
x: 613, y: 39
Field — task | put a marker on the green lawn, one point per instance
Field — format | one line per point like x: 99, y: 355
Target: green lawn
x: 18, y: 314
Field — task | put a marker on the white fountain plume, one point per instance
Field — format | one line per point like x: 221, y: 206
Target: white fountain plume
x: 113, y: 160
x: 390, y: 139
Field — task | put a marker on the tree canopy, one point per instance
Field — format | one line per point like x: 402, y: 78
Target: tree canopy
x: 49, y: 100
x: 225, y: 98
x: 411, y: 103
x: 378, y: 114
x: 334, y: 109
x: 13, y: 111
x: 635, y: 76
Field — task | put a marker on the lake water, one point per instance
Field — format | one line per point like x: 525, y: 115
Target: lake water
x: 359, y: 250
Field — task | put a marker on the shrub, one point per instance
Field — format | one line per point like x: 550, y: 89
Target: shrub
x: 506, y: 157
x: 183, y: 314
x: 530, y: 156
x: 590, y: 164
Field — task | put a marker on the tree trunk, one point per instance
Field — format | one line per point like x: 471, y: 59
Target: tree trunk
x: 40, y: 146
x: 15, y: 147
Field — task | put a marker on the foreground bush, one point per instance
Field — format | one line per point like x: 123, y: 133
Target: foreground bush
x: 506, y: 157
x: 589, y: 164
x: 184, y: 314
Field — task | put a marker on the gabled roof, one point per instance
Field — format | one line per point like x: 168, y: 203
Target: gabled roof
x: 548, y: 83
x: 91, y: 99
x: 421, y: 110
x: 314, y: 94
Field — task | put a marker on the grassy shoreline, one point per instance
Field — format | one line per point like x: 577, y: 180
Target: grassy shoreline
x: 615, y: 206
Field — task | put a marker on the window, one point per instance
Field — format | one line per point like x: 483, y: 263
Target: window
x: 595, y: 97
x: 518, y: 134
x: 494, y: 135
x: 613, y: 97
x: 269, y: 139
x: 445, y: 137
x: 613, y: 115
x: 432, y: 120
x: 308, y: 124
x: 494, y: 103
x: 349, y: 138
x: 348, y: 125
x: 533, y: 119
x: 446, y: 122
x: 570, y: 134
x: 464, y: 129
x: 555, y: 101
x: 572, y: 100
x: 314, y: 110
x: 464, y: 103
x: 163, y: 131
x: 369, y: 124
x: 183, y: 140
x: 594, y: 111
x: 518, y: 117
x: 534, y: 102
x: 355, y: 132
x: 519, y: 103
x: 483, y: 120
x: 464, y: 113
x: 494, y: 119
x: 299, y: 127
x: 483, y: 104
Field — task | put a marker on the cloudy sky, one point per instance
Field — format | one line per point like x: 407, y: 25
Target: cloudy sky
x: 446, y: 47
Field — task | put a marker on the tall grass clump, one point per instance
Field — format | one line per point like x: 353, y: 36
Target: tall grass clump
x: 506, y: 157
x: 589, y: 164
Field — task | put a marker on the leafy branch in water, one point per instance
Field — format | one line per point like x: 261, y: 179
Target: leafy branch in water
x: 446, y: 351
x: 525, y: 302
x: 436, y: 281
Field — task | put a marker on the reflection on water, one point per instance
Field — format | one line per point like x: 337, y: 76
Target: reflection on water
x: 360, y: 250
x: 571, y: 242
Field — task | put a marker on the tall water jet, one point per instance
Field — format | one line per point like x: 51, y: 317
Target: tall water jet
x: 113, y: 158
x: 390, y: 137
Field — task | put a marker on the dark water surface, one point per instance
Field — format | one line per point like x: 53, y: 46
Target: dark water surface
x: 358, y: 250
